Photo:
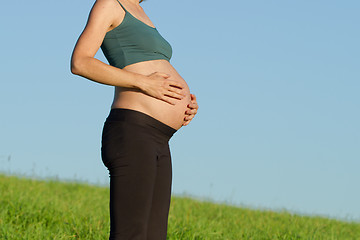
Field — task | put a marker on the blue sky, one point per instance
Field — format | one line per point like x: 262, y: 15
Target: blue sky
x: 277, y: 83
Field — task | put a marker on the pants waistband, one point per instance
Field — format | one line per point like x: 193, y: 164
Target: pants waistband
x: 139, y: 118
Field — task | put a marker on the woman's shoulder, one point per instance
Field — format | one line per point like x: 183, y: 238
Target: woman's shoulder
x: 108, y: 8
x: 106, y: 12
x: 106, y: 3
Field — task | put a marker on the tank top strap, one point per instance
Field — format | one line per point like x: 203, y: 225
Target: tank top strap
x: 121, y: 5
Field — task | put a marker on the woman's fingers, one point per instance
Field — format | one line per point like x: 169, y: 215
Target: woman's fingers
x: 192, y: 108
x: 162, y: 88
x: 175, y: 84
x: 174, y: 95
x: 189, y: 117
x: 175, y: 92
x: 193, y: 101
x: 171, y: 95
x: 186, y: 123
x: 193, y: 105
x: 169, y: 100
x: 191, y: 111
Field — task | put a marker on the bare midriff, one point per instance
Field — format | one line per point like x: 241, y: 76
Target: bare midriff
x: 171, y: 115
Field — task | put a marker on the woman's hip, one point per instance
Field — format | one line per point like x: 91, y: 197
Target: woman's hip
x: 127, y: 132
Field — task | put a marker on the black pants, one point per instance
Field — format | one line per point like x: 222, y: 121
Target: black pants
x: 136, y: 152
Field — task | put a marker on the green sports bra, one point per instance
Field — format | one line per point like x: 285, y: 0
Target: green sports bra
x: 134, y: 41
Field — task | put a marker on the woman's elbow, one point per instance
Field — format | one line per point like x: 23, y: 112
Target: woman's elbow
x: 76, y: 66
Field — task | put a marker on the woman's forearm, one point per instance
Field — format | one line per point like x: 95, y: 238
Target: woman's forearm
x: 156, y: 85
x: 97, y: 71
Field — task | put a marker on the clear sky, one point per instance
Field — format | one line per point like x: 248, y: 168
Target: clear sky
x: 277, y: 83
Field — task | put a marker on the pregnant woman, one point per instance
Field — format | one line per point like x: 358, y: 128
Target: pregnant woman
x: 151, y: 102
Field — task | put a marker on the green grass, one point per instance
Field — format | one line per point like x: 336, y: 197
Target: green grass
x: 33, y: 209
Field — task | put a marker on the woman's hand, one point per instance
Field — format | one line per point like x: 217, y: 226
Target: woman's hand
x: 158, y: 85
x: 191, y: 111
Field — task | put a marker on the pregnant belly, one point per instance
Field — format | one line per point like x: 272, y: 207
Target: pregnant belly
x: 171, y: 115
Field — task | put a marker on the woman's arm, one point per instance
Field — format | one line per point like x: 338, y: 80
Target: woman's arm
x: 102, y: 16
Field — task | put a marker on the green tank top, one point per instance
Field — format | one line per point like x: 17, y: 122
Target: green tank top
x: 134, y: 41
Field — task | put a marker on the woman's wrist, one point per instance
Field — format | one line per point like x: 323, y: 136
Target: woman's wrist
x: 139, y: 81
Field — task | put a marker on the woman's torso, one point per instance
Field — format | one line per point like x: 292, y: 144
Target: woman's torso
x: 171, y: 115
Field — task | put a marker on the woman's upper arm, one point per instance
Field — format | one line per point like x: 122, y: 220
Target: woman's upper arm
x: 101, y: 17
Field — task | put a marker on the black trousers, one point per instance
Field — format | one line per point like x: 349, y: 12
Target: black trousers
x: 136, y: 152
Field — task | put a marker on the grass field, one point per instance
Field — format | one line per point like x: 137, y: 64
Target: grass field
x: 33, y: 209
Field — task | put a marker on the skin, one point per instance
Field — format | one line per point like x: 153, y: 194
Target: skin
x: 152, y: 87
